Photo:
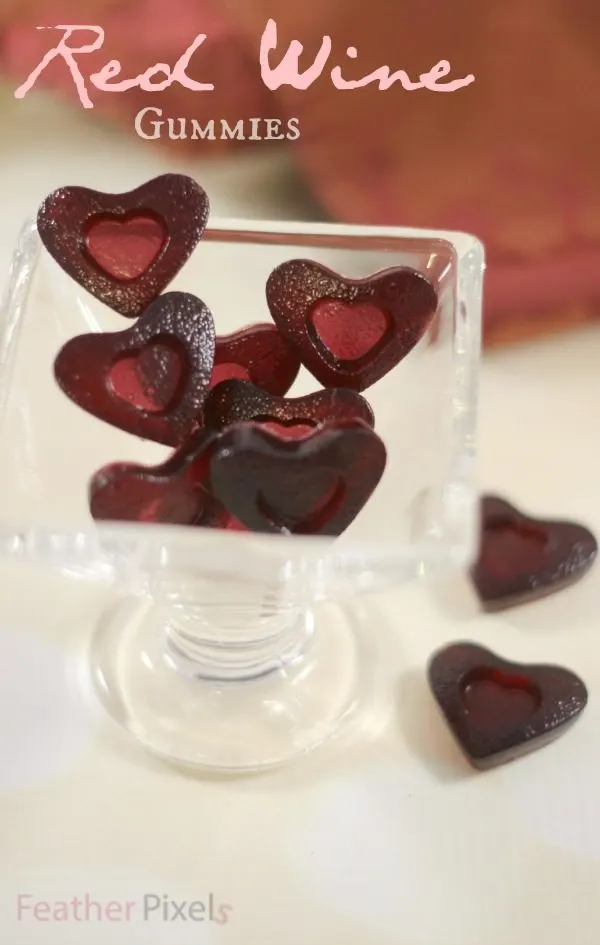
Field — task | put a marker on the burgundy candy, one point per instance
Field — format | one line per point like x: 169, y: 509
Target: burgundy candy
x: 522, y: 558
x: 259, y: 354
x: 314, y: 485
x: 175, y: 341
x: 175, y: 492
x: 237, y: 401
x: 497, y: 710
x: 125, y: 249
x: 349, y: 332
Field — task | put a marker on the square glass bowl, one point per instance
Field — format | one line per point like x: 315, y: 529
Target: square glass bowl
x: 217, y: 655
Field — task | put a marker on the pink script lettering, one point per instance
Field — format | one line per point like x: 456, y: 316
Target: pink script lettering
x: 102, y: 80
x: 67, y: 53
x: 288, y: 71
x: 161, y: 76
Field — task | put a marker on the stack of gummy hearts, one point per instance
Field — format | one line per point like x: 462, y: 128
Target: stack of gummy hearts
x: 245, y: 455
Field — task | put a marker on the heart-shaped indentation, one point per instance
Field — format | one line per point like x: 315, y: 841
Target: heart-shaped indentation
x: 175, y: 492
x: 322, y: 499
x: 512, y: 545
x: 126, y: 378
x: 150, y: 379
x: 314, y: 485
x: 522, y: 559
x: 498, y: 710
x: 349, y: 332
x: 499, y: 700
x: 290, y: 417
x: 259, y: 354
x: 125, y: 248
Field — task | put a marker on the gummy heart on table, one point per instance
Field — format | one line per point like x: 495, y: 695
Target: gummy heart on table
x: 174, y: 492
x: 497, y: 710
x: 125, y: 248
x: 522, y: 558
x: 101, y: 372
x: 314, y: 485
x: 291, y: 417
x: 349, y: 332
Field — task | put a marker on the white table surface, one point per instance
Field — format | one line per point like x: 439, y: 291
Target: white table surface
x: 392, y: 842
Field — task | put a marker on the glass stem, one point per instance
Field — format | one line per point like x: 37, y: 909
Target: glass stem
x: 228, y: 631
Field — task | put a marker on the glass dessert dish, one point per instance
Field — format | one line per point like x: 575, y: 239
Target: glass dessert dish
x: 227, y: 650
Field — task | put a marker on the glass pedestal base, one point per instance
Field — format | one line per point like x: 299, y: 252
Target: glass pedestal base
x: 228, y: 725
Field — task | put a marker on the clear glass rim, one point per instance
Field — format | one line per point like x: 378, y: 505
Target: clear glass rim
x: 106, y: 549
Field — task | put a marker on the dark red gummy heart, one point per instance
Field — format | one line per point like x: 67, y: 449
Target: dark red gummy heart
x: 522, y: 558
x: 497, y: 710
x: 315, y: 485
x: 101, y: 372
x: 175, y: 492
x: 259, y: 354
x: 349, y: 332
x: 125, y: 248
x: 291, y: 417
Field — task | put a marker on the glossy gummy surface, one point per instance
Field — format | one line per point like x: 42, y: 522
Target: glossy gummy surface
x: 175, y: 492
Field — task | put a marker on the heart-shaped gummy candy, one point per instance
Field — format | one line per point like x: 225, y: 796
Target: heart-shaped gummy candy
x: 349, y: 332
x: 259, y: 354
x: 521, y: 558
x: 125, y: 248
x: 497, y: 710
x: 316, y: 485
x: 175, y: 341
x: 175, y: 492
x: 237, y: 401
